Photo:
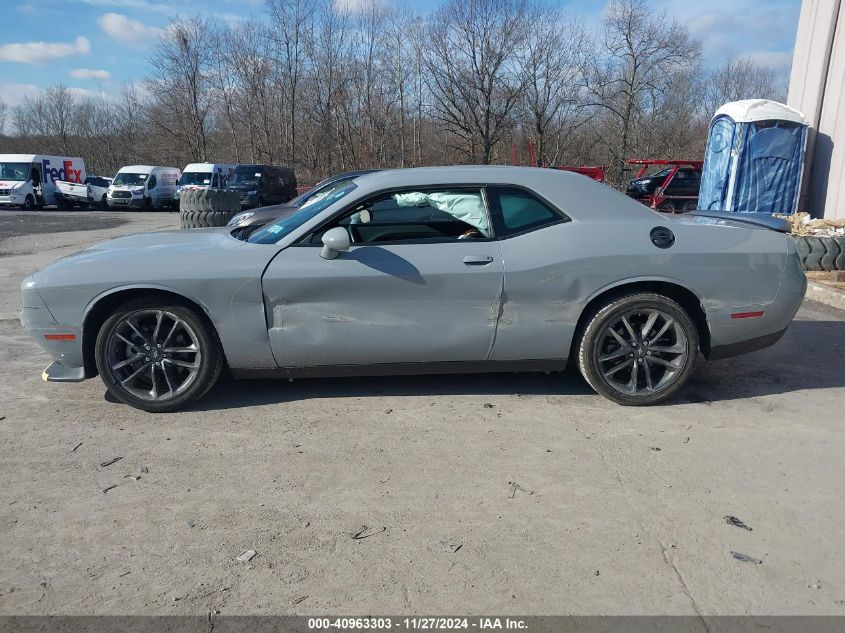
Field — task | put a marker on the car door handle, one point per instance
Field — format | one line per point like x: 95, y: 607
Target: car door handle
x: 477, y: 260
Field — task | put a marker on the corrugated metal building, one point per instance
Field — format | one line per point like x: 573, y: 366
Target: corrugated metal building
x: 817, y: 88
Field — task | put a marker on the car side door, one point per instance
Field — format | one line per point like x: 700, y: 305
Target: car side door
x: 417, y: 285
x: 536, y: 321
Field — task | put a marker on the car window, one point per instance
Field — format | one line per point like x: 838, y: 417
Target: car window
x: 415, y: 215
x: 151, y: 183
x: 516, y: 210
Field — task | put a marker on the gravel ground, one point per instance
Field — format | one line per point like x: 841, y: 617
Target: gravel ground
x: 507, y: 494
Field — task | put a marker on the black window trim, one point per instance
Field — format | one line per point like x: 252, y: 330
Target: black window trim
x: 563, y: 218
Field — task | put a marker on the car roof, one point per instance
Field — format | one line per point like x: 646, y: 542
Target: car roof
x: 575, y: 194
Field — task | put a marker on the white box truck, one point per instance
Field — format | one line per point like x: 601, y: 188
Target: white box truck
x: 143, y: 187
x: 204, y: 176
x: 29, y: 180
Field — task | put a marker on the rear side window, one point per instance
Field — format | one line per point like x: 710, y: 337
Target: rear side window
x: 516, y: 211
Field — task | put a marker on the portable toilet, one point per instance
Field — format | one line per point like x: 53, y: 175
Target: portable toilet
x: 754, y: 158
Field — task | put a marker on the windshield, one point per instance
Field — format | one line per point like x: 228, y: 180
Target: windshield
x: 14, y: 171
x: 274, y: 232
x: 309, y: 197
x: 245, y: 175
x: 130, y: 180
x: 195, y: 178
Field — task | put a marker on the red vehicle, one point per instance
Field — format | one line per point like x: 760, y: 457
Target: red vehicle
x: 672, y: 189
x: 596, y: 173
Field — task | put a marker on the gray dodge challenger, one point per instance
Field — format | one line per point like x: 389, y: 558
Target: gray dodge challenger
x: 430, y: 270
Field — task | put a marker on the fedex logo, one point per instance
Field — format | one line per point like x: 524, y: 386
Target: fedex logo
x: 66, y: 172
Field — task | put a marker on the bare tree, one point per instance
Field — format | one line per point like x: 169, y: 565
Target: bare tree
x: 639, y: 53
x: 292, y: 25
x: 181, y: 86
x: 4, y: 113
x: 740, y: 78
x: 551, y: 64
x: 472, y: 70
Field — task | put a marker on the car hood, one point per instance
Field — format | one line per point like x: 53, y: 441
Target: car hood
x: 156, y: 251
x: 185, y: 240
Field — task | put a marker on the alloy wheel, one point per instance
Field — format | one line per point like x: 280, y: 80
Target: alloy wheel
x: 154, y: 354
x: 641, y: 352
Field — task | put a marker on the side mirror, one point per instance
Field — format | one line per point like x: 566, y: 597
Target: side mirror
x: 334, y: 241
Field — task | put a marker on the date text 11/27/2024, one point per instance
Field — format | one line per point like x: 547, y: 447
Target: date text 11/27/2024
x: 417, y: 623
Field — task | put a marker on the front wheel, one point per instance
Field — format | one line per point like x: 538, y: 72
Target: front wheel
x: 638, y: 349
x: 157, y: 356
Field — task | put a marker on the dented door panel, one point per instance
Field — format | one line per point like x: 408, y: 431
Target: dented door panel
x: 383, y: 304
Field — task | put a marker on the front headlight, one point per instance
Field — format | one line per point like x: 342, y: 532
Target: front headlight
x: 138, y: 191
x: 241, y: 217
x: 251, y: 193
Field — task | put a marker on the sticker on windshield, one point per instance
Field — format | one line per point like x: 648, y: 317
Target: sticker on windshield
x: 276, y: 228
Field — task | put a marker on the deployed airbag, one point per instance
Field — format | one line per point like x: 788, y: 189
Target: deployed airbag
x: 466, y: 207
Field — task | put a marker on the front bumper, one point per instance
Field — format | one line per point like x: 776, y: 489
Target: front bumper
x: 69, y: 363
x: 12, y: 200
x: 125, y: 203
x: 248, y: 200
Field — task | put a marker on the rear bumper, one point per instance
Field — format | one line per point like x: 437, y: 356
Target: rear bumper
x: 740, y: 329
x: 743, y: 347
x: 68, y: 196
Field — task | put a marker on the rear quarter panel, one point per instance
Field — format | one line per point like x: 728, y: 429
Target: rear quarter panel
x: 553, y: 273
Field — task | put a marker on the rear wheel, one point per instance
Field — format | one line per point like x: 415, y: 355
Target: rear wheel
x: 668, y: 206
x: 157, y: 355
x: 690, y: 205
x: 638, y: 349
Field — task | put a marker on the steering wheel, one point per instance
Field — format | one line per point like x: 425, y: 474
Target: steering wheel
x: 471, y: 234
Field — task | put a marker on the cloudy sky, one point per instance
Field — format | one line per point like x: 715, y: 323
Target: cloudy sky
x: 97, y: 45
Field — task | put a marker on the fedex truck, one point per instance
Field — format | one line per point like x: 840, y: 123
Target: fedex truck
x: 28, y: 181
x: 143, y: 187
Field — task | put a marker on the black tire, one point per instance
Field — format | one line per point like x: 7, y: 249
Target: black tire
x: 104, y: 203
x: 839, y: 262
x: 667, y: 207
x: 813, y: 259
x: 831, y: 253
x: 592, y: 338
x: 690, y: 205
x: 209, y: 367
x: 204, y: 219
x: 28, y: 203
x: 259, y: 203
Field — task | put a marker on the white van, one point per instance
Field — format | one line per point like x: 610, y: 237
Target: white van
x: 28, y: 180
x: 143, y: 187
x: 204, y: 176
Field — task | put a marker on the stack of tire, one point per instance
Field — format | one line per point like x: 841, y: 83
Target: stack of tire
x: 821, y: 253
x: 202, y: 208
